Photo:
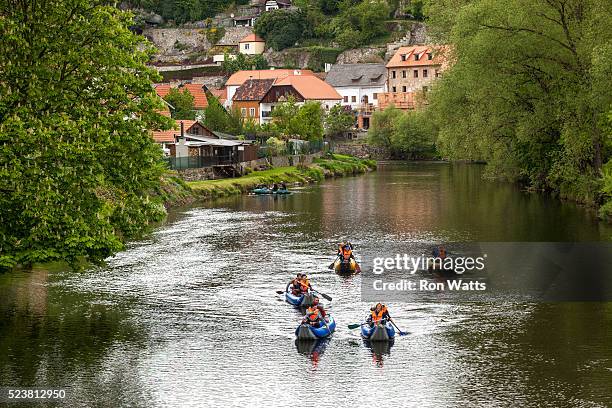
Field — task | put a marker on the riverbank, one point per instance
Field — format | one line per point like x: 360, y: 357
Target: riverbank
x: 332, y: 165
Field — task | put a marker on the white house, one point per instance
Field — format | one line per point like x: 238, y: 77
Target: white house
x: 359, y: 84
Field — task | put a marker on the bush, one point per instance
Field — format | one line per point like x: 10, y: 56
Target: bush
x: 281, y: 28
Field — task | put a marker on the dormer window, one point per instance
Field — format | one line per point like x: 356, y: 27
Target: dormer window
x: 416, y: 57
x: 403, y: 57
x: 429, y: 56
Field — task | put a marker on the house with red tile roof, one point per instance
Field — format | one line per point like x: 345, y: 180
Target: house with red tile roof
x: 252, y: 44
x: 414, y: 68
x: 238, y: 78
x: 257, y: 97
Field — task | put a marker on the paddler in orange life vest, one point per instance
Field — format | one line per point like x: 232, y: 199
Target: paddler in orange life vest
x: 304, y: 283
x: 377, y: 314
x: 296, y: 287
x: 345, y: 250
x: 315, y: 313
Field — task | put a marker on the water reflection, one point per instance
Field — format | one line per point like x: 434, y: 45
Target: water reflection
x: 189, y: 316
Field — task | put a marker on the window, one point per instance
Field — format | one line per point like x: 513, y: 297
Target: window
x: 437, y: 73
x: 404, y: 57
x: 403, y: 89
x: 416, y: 57
x: 346, y: 99
x: 394, y: 89
x: 403, y: 74
x: 425, y: 89
x: 393, y: 74
x: 375, y: 96
x: 429, y: 56
x: 246, y: 46
x: 424, y: 73
x: 353, y: 98
x: 243, y: 112
x: 252, y: 112
x: 416, y: 73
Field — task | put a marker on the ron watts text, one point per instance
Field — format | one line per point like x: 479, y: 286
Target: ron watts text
x: 425, y: 285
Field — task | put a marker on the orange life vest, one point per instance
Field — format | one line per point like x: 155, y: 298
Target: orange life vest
x: 346, y: 253
x: 377, y: 317
x: 313, y: 313
x: 305, y: 284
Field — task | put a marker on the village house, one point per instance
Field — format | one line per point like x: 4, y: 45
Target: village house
x: 237, y: 79
x: 204, y: 147
x: 256, y: 98
x: 359, y: 85
x: 251, y: 45
x: 247, y: 14
x: 414, y: 68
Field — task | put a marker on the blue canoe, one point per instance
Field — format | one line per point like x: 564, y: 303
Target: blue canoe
x: 269, y: 191
x: 304, y: 300
x: 379, y: 332
x: 307, y: 332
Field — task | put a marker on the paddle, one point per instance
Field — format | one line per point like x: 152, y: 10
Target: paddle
x: 399, y: 331
x: 356, y: 325
x: 327, y: 297
x: 331, y: 266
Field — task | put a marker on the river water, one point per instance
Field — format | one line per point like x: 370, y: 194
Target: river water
x: 189, y: 316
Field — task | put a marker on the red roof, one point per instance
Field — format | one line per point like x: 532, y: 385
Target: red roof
x: 252, y: 38
x: 197, y: 90
x: 310, y: 87
x: 161, y: 136
x: 239, y: 77
x: 221, y: 94
x: 419, y: 55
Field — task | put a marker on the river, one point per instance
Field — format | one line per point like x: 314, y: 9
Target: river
x: 189, y: 316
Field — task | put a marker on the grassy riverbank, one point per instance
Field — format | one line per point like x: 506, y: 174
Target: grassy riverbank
x: 329, y: 166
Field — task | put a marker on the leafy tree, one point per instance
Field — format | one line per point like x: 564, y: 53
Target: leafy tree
x: 242, y: 62
x: 414, y: 134
x: 215, y: 115
x: 383, y: 126
x: 77, y: 163
x: 182, y: 102
x: 305, y: 122
x: 282, y: 28
x: 529, y: 91
x: 339, y: 120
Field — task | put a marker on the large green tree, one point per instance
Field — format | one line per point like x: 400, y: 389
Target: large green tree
x: 182, y: 102
x: 529, y: 90
x: 77, y: 163
x: 282, y: 28
x: 339, y: 120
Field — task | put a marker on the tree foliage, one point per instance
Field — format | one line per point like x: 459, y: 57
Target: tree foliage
x: 339, y: 120
x: 304, y: 122
x: 182, y: 102
x: 409, y: 134
x: 77, y: 163
x: 282, y: 28
x: 529, y: 91
x: 242, y: 62
x: 182, y: 11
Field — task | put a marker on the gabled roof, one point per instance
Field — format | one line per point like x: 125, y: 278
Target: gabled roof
x: 252, y: 38
x: 161, y: 136
x: 356, y: 75
x: 310, y: 87
x: 253, y: 89
x: 239, y: 77
x: 197, y: 90
x: 405, y: 56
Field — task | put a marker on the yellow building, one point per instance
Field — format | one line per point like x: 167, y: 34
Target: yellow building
x: 251, y: 45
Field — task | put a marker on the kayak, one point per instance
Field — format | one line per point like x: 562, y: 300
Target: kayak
x: 305, y: 331
x: 380, y: 332
x: 303, y: 300
x: 269, y: 191
x: 342, y: 266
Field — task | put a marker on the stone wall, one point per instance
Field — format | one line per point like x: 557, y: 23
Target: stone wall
x: 363, y: 151
x: 204, y: 173
x: 361, y: 55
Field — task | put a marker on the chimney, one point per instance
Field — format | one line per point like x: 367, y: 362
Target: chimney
x: 182, y: 130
